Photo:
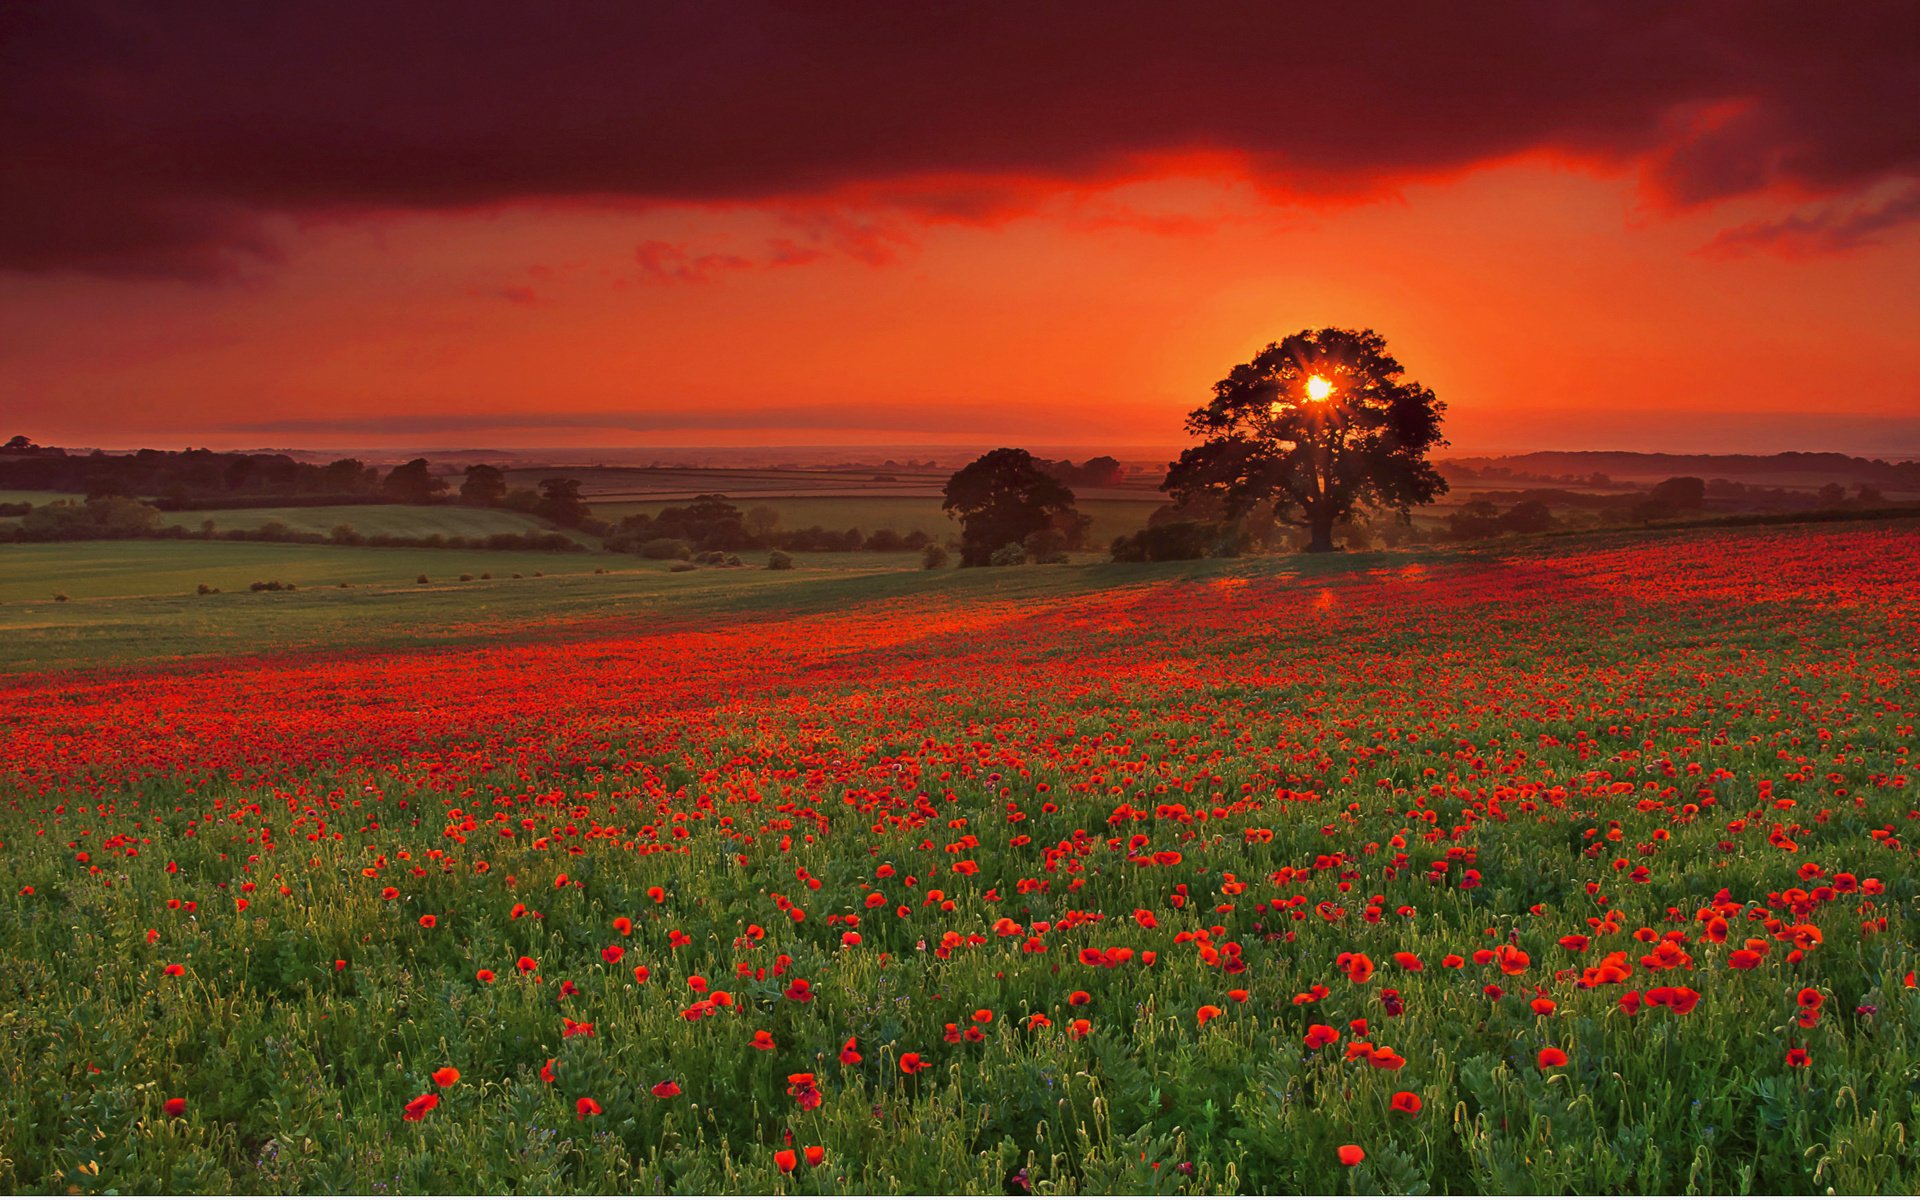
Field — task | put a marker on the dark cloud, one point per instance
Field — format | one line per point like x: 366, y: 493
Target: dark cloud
x: 159, y: 139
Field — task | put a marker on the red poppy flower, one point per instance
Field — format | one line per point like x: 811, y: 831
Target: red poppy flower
x: 547, y: 1072
x: 446, y: 1076
x: 1406, y: 1102
x: 586, y: 1106
x: 666, y: 1090
x: 912, y: 1064
x: 428, y: 920
x: 418, y: 1107
x: 816, y: 1155
x: 613, y: 954
x: 1552, y: 1057
x: 850, y: 1053
x: 786, y: 1160
x: 1321, y: 1035
x: 1810, y: 998
x: 641, y: 974
x: 1079, y: 998
x: 1207, y: 1012
x: 176, y: 1107
x: 1797, y: 1057
x: 623, y: 925
x: 762, y: 1040
x: 526, y: 964
x: 804, y: 1091
x: 1350, y: 1155
x: 174, y: 969
x: 483, y: 975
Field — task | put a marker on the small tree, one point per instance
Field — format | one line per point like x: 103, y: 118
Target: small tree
x: 1002, y: 498
x: 484, y: 485
x: 560, y: 502
x: 412, y: 483
x: 760, y: 522
x: 1319, y: 424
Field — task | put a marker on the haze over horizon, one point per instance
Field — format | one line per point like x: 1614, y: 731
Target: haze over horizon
x: 1638, y: 226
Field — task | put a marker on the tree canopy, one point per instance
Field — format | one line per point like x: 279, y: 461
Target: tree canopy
x: 1316, y: 425
x: 1005, y: 497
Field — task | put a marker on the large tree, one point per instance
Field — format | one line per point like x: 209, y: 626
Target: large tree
x: 1316, y: 425
x: 1004, y: 497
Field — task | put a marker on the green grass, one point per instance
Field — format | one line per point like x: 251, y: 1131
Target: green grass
x: 903, y: 514
x: 134, y: 602
x: 371, y: 520
x: 94, y: 570
x: 1112, y: 855
x: 16, y: 496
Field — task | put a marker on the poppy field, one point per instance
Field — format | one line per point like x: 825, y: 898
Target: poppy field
x: 1584, y: 866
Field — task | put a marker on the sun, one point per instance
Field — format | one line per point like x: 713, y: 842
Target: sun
x: 1318, y: 388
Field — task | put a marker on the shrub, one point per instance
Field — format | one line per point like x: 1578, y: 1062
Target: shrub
x: 1047, y: 545
x: 1175, y: 541
x: 779, y: 560
x: 270, y: 585
x: 206, y: 590
x: 684, y: 566
x: 486, y: 574
x: 466, y: 577
x: 1010, y: 555
x: 422, y: 579
x: 933, y: 557
x: 661, y: 548
x: 59, y: 597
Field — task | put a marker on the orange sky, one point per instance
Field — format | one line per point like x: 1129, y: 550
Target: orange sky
x: 1554, y: 298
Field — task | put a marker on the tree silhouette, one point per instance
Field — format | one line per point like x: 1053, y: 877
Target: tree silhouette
x: 1004, y: 497
x: 484, y: 484
x: 1318, y: 425
x: 560, y: 502
x: 409, y: 483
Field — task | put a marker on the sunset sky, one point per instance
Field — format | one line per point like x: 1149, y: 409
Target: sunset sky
x: 357, y: 224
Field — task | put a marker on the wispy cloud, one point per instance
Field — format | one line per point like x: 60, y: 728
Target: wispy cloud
x: 1834, y: 229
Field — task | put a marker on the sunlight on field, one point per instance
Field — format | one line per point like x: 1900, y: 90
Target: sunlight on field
x: 1099, y: 874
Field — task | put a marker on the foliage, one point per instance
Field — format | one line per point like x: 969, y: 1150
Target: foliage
x: 413, y: 482
x: 1269, y: 439
x: 560, y: 503
x: 484, y: 484
x: 1002, y: 498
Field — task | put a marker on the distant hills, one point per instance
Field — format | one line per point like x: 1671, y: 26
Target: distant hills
x: 1792, y: 468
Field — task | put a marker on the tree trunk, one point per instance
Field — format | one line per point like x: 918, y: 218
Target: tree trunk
x: 1321, y: 524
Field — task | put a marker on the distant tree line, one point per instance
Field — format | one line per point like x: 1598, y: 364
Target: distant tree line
x: 117, y: 517
x: 181, y: 477
x: 713, y: 524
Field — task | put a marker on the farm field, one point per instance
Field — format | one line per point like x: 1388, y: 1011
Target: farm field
x: 370, y: 520
x: 902, y: 514
x: 1576, y: 865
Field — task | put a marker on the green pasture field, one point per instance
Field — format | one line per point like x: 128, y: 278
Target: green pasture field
x: 94, y: 570
x: 134, y: 602
x: 902, y: 514
x: 371, y: 520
